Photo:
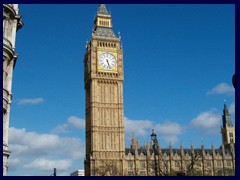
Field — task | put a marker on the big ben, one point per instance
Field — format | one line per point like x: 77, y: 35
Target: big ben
x: 103, y: 80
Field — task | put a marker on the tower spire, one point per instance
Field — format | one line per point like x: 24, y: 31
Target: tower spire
x: 228, y: 129
x: 103, y: 23
x: 226, y: 117
x: 103, y: 10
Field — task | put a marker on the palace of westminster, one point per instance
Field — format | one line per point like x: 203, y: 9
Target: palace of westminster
x: 105, y: 144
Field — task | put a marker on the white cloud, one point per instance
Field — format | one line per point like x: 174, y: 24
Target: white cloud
x: 138, y: 127
x: 49, y: 149
x: 14, y: 163
x: 42, y: 144
x: 167, y: 131
x: 221, y: 88
x: 60, y: 129
x: 30, y: 101
x: 77, y: 122
x: 46, y: 164
x: 72, y: 122
x: 207, y: 120
x: 169, y: 128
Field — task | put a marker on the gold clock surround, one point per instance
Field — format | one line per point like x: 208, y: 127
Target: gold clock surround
x: 100, y: 68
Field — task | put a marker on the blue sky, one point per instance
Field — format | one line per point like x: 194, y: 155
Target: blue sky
x: 178, y: 67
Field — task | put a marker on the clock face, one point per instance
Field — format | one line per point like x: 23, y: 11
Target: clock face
x: 107, y: 61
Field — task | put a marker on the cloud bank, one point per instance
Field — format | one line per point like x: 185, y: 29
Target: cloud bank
x: 38, y: 151
x: 167, y: 131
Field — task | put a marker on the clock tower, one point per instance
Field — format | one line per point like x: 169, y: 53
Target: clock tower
x: 103, y: 81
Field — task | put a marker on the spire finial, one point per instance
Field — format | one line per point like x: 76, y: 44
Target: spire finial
x: 133, y: 138
x: 170, y: 143
x: 192, y: 146
x: 181, y: 144
x: 224, y: 102
x: 212, y: 142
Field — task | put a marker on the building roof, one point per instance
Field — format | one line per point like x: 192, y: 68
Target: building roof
x: 177, y: 151
x: 104, y: 32
x: 99, y: 30
x: 103, y: 10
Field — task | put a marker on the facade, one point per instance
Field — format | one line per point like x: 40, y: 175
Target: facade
x: 103, y: 80
x: 11, y: 24
x: 79, y: 172
x: 213, y: 162
x: 105, y: 150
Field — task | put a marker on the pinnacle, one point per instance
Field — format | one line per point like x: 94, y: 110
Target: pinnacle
x: 103, y: 10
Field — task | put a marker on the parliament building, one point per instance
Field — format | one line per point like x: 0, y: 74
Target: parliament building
x: 106, y: 154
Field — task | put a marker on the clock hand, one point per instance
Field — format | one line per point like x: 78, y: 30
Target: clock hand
x: 108, y: 63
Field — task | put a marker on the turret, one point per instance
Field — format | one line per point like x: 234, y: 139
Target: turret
x: 228, y: 129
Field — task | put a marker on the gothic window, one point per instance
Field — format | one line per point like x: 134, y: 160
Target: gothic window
x: 176, y: 164
x: 219, y: 163
x: 208, y: 164
x: 229, y: 163
x: 104, y: 95
x: 231, y: 134
x: 102, y: 141
x: 142, y: 164
x: 130, y: 164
